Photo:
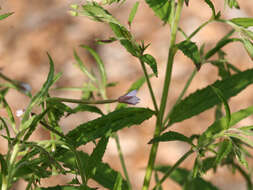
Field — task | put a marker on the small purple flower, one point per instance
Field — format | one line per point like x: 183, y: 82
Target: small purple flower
x: 129, y: 98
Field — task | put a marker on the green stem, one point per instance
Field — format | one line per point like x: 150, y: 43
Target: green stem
x: 122, y: 161
x: 158, y: 128
x: 116, y: 137
x: 79, y: 101
x: 199, y: 28
x: 245, y: 175
x: 149, y: 86
x: 180, y: 97
x: 168, y: 173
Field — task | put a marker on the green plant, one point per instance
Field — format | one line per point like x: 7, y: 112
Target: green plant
x: 227, y: 145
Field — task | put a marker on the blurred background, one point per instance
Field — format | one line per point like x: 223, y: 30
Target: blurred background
x: 37, y: 27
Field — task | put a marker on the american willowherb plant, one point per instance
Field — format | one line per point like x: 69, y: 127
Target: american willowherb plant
x: 221, y: 144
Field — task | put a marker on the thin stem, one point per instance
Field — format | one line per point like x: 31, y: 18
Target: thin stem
x: 168, y: 173
x: 180, y: 96
x: 122, y: 161
x: 79, y: 101
x: 116, y: 138
x: 149, y: 86
x: 172, y: 51
x: 199, y: 28
x: 245, y: 175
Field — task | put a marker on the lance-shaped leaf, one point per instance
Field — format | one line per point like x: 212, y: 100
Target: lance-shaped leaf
x: 99, y: 63
x: 104, y: 174
x: 132, y: 13
x: 221, y: 125
x: 190, y: 49
x: 224, y: 149
x: 161, y: 8
x: 94, y: 11
x: 171, y: 136
x: 150, y: 60
x: 43, y: 92
x: 107, y: 124
x: 205, y: 98
x: 244, y: 22
x: 96, y: 157
x: 3, y: 16
x: 210, y: 4
x: 182, y: 177
x: 232, y: 4
x: 248, y: 45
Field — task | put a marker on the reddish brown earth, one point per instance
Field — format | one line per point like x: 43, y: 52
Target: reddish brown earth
x: 44, y: 26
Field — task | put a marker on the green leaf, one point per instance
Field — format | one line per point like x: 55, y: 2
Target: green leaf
x: 118, y: 183
x: 104, y: 175
x: 82, y: 67
x: 99, y: 62
x: 43, y: 91
x: 219, y: 126
x: 181, y: 176
x: 240, y: 156
x: 126, y: 39
x: 232, y: 4
x: 150, y: 60
x: 244, y: 22
x: 205, y: 98
x: 95, y: 12
x: 133, y: 13
x: 96, y: 157
x: 248, y: 45
x: 161, y: 8
x: 240, y: 137
x: 89, y: 108
x: 66, y: 187
x: 223, y: 99
x: 107, y: 124
x: 225, y: 148
x: 171, y: 136
x: 210, y: 4
x: 3, y: 16
x: 4, y: 168
x: 190, y: 49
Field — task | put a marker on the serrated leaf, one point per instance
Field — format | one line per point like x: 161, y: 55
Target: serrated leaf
x: 109, y: 123
x: 190, y: 49
x: 43, y: 91
x: 133, y: 13
x: 171, y: 136
x: 96, y: 157
x: 161, y: 8
x: 210, y: 4
x: 181, y: 177
x: 205, y: 98
x: 225, y: 148
x: 223, y: 99
x: 104, y: 174
x: 244, y: 22
x: 3, y: 16
x: 150, y: 60
x: 99, y: 63
x: 220, y: 125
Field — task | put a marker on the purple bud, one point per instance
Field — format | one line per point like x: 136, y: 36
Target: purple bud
x: 129, y: 98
